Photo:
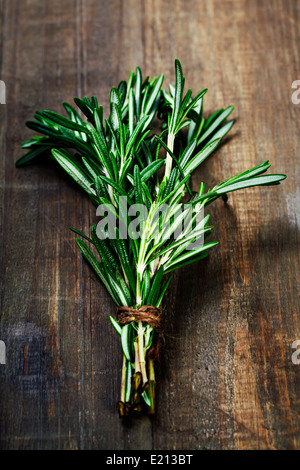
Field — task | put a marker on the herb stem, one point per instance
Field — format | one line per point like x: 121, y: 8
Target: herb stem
x: 170, y: 144
x: 141, y: 350
x: 128, y: 383
x: 151, y: 370
x: 137, y: 366
x: 123, y: 379
x: 151, y: 391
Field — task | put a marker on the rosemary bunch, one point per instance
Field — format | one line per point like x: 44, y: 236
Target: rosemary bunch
x: 151, y: 223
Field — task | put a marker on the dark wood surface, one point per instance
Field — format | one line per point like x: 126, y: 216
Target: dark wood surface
x: 226, y: 378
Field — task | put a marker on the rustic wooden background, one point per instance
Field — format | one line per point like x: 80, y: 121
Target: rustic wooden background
x: 227, y: 380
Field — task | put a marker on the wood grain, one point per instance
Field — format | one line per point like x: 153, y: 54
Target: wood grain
x: 226, y: 376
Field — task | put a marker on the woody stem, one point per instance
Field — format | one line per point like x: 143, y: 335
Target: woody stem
x: 141, y: 350
x: 123, y: 380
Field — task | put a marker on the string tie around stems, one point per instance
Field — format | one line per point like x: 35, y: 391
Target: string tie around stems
x: 148, y: 314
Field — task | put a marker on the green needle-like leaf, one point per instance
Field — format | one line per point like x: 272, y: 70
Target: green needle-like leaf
x: 116, y: 325
x: 125, y: 340
x: 74, y: 171
x: 90, y: 258
x: 216, y: 123
x: 178, y: 96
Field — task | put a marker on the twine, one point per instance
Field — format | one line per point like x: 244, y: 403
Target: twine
x: 148, y: 314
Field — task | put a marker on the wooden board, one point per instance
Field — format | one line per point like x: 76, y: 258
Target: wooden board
x: 227, y: 380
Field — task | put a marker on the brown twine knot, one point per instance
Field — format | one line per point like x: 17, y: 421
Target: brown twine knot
x: 148, y: 314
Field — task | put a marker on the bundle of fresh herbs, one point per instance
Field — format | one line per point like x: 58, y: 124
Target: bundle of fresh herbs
x: 136, y: 167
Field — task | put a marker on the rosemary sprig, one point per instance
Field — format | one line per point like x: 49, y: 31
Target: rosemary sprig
x: 150, y: 223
